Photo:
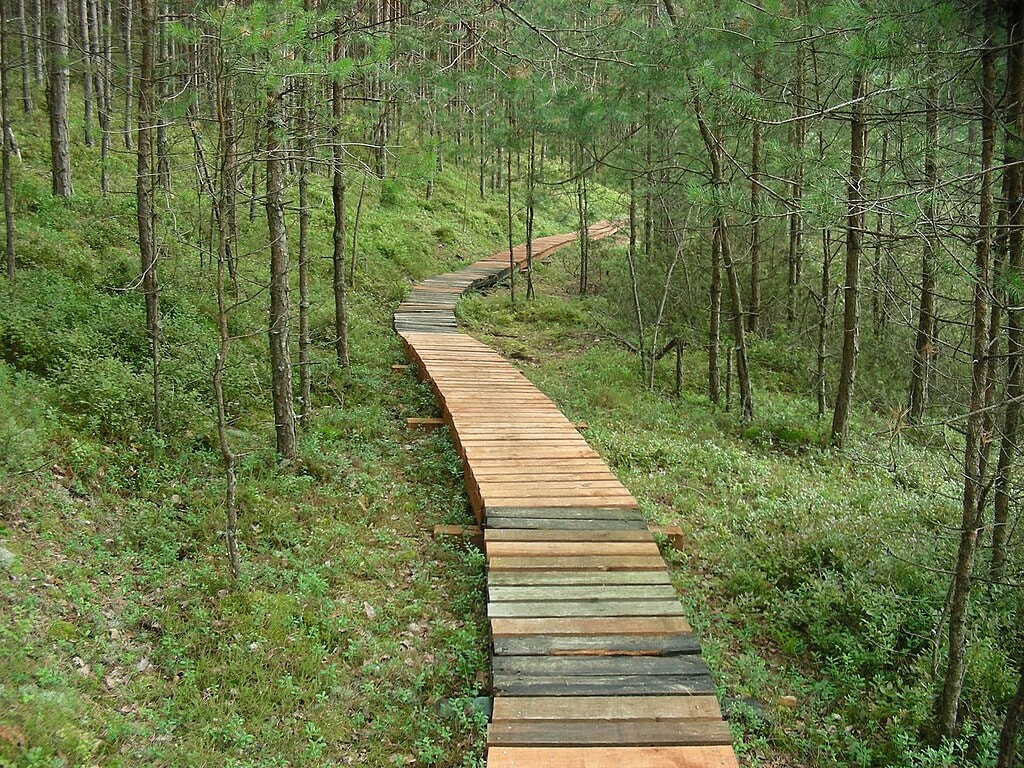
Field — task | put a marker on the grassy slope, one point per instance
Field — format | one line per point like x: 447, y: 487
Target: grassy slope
x: 353, y: 639
x: 809, y: 574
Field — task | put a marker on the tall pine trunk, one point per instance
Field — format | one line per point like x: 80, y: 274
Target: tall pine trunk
x: 948, y: 704
x: 925, y: 340
x: 338, y: 201
x: 57, y: 100
x: 144, y: 195
x: 5, y: 120
x: 854, y: 247
x: 280, y: 353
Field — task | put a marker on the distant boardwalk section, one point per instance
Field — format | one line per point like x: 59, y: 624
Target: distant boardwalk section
x: 594, y: 665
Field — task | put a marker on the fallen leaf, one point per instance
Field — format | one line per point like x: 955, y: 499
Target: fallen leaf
x: 369, y: 611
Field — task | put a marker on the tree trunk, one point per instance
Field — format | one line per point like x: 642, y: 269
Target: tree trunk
x: 280, y: 355
x: 634, y: 282
x: 1014, y: 390
x: 26, y: 72
x: 713, y: 146
x: 948, y: 704
x: 163, y: 151
x: 511, y: 236
x: 57, y: 100
x: 530, y: 212
x: 144, y: 194
x: 754, y: 314
x: 851, y: 287
x: 87, y: 69
x: 101, y: 28
x: 126, y: 40
x: 338, y: 200
x: 823, y: 300
x: 1008, y: 737
x: 304, y: 150
x: 5, y: 118
x: 715, y: 318
x: 583, y: 216
x: 799, y: 131
x: 924, y: 343
x: 37, y: 41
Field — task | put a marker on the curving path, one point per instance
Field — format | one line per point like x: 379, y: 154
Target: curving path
x: 594, y: 665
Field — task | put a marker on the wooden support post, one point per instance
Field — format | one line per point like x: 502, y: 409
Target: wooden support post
x: 468, y: 534
x: 425, y: 424
x: 581, y: 425
x: 672, y: 533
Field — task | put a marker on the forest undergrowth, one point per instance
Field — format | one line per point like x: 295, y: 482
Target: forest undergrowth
x: 352, y: 637
x: 817, y: 579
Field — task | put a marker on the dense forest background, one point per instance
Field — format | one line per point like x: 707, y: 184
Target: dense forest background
x: 805, y: 349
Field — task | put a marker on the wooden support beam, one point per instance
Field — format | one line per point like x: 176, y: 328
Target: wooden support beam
x: 468, y: 534
x: 581, y: 425
x: 400, y: 368
x: 673, y: 533
x: 425, y: 424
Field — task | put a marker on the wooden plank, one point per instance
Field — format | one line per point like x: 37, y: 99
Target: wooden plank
x: 638, y: 592
x: 575, y: 548
x: 597, y: 645
x: 547, y: 523
x: 576, y: 513
x: 506, y: 684
x: 606, y: 708
x: 552, y: 608
x: 611, y: 757
x: 582, y: 563
x: 616, y: 733
x: 582, y: 535
x: 600, y: 666
x: 555, y: 627
x: 574, y: 578
x: 425, y: 424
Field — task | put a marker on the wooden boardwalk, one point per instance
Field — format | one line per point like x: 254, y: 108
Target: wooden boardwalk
x: 593, y: 665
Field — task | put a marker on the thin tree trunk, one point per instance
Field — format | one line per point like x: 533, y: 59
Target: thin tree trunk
x: 948, y: 704
x: 531, y: 171
x: 26, y: 71
x: 305, y: 366
x: 795, y: 254
x: 715, y: 319
x: 144, y: 194
x: 754, y: 314
x: 511, y: 236
x: 103, y: 85
x: 126, y: 41
x: 854, y: 247
x: 87, y: 69
x: 5, y: 118
x: 338, y: 200
x: 57, y: 100
x: 280, y: 355
x: 163, y: 152
x: 634, y: 282
x: 823, y: 300
x: 354, y: 259
x: 1008, y: 737
x: 1014, y: 390
x: 37, y: 42
x: 713, y: 146
x: 924, y: 343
